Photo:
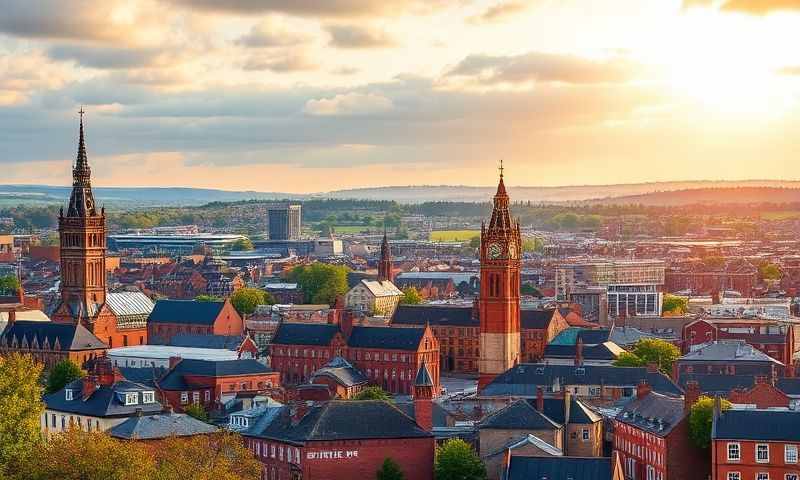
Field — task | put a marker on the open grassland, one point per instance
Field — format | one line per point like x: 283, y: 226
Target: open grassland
x: 453, y: 235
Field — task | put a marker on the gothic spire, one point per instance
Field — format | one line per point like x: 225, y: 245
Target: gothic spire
x: 81, y: 201
x: 501, y: 218
x: 81, y: 173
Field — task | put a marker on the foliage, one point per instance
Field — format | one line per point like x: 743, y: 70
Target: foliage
x: 221, y: 456
x: 535, y: 245
x: 456, y: 460
x: 454, y: 235
x: 675, y: 305
x: 51, y: 240
x: 243, y: 244
x: 246, y: 300
x: 701, y: 417
x: 411, y: 296
x: 390, y: 470
x: 475, y: 241
x: 372, y: 393
x: 528, y: 289
x: 9, y: 285
x: 320, y: 282
x: 770, y: 271
x: 63, y: 373
x: 208, y: 298
x: 650, y: 350
x: 22, y: 408
x: 197, y: 411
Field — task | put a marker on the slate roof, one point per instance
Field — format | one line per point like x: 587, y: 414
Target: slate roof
x: 106, y: 401
x: 536, y: 319
x: 628, y: 335
x: 443, y: 315
x: 766, y: 425
x: 71, y: 337
x: 579, y: 412
x: 520, y: 415
x: 523, y: 379
x: 592, y: 336
x: 196, y: 340
x: 603, y: 351
x: 173, y: 380
x: 159, y: 426
x: 438, y: 414
x: 654, y: 413
x: 386, y: 338
x: 129, y: 303
x: 558, y: 468
x: 718, y: 384
x: 185, y: 311
x: 146, y: 376
x: 333, y: 420
x: 789, y: 386
x: 343, y: 372
x: 728, y: 351
x: 423, y: 378
x: 305, y: 334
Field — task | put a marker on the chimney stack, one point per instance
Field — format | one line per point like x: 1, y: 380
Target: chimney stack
x: 652, y: 367
x: 690, y: 394
x: 540, y: 399
x: 89, y: 386
x: 346, y: 324
x: 642, y: 389
x: 12, y: 317
x: 579, y: 352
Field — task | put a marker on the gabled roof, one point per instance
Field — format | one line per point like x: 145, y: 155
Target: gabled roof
x: 520, y: 415
x: 160, y: 426
x: 559, y: 468
x: 766, y: 425
x: 718, y: 384
x: 146, y: 376
x: 522, y: 380
x: 381, y: 288
x: 442, y: 315
x: 185, y: 311
x: 129, y: 303
x: 197, y: 340
x: 70, y: 337
x: 654, y: 413
x: 603, y: 351
x: 536, y: 319
x: 106, y: 401
x: 528, y: 439
x: 305, y: 334
x: 423, y: 377
x: 334, y: 420
x: 386, y: 337
x: 579, y: 412
x: 728, y: 351
x: 174, y: 379
x: 588, y: 336
x: 438, y: 413
x: 343, y: 372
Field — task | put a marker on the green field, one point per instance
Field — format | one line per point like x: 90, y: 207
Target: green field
x: 454, y: 235
x: 350, y: 228
x: 780, y: 215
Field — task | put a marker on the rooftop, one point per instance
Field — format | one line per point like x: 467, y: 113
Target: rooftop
x: 727, y: 351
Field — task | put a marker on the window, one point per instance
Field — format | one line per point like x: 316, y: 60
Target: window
x: 131, y: 398
x: 734, y: 452
x: 207, y: 396
x: 734, y: 476
x: 762, y: 476
x: 585, y: 434
x: 272, y: 451
x: 195, y: 397
x: 791, y: 476
x: 790, y: 453
x: 184, y: 397
x: 148, y: 397
x: 68, y: 394
x: 762, y: 453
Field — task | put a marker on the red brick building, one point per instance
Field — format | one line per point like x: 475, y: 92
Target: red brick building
x: 212, y: 383
x: 763, y: 394
x: 755, y: 445
x: 51, y: 343
x: 171, y: 317
x: 651, y: 438
x: 772, y: 337
x: 737, y: 274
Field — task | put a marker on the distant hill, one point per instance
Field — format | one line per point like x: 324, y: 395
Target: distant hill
x: 657, y: 193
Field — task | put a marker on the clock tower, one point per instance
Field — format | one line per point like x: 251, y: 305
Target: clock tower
x: 499, y: 296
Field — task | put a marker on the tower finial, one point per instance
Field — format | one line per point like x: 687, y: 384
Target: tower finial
x: 501, y: 168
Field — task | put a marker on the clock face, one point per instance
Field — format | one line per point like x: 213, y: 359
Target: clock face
x: 88, y: 203
x: 494, y: 250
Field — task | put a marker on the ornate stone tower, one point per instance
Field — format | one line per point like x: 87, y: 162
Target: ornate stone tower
x: 82, y: 232
x: 385, y: 272
x: 499, y: 296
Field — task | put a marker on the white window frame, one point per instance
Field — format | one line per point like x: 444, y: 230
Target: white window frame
x: 791, y: 476
x: 759, y: 447
x: 68, y: 394
x: 148, y: 397
x: 734, y: 475
x: 196, y: 398
x: 184, y: 398
x: 585, y: 435
x: 787, y: 458
x: 131, y: 398
x: 738, y: 449
x: 762, y: 476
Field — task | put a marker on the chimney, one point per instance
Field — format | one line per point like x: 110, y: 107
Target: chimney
x: 299, y: 410
x: 89, y: 386
x: 715, y: 297
x: 642, y: 389
x: 12, y: 317
x: 335, y: 313
x: 579, y: 352
x: 540, y: 399
x: 652, y: 367
x: 347, y: 323
x: 567, y: 406
x: 790, y: 370
x: 690, y: 394
x: 717, y: 407
x: 174, y: 361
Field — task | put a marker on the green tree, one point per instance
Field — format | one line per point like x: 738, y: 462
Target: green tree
x: 475, y: 241
x: 9, y: 285
x: 246, y: 300
x: 220, y: 456
x: 243, y: 244
x: 63, y: 373
x: 411, y: 296
x: 770, y: 271
x: 456, y: 460
x: 320, y: 282
x: 534, y: 244
x: 390, y: 470
x: 208, y: 298
x: 675, y: 305
x: 650, y: 350
x: 22, y: 407
x: 197, y: 411
x: 372, y: 393
x: 528, y: 289
x: 701, y: 417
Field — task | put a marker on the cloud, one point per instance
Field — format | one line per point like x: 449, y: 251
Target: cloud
x: 316, y: 8
x: 755, y: 7
x: 355, y: 36
x: 543, y: 67
x: 500, y: 11
x: 792, y: 70
x: 271, y: 33
x: 349, y: 104
x: 106, y: 57
x: 287, y: 62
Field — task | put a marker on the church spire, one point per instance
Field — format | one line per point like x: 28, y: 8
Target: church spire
x: 385, y: 272
x: 81, y: 201
x: 501, y: 218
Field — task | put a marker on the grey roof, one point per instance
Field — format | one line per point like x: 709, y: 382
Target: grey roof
x: 129, y: 303
x: 523, y: 379
x: 789, y: 386
x: 602, y: 351
x: 654, y: 413
x: 69, y: 336
x: 197, y: 340
x: 717, y: 384
x: 438, y: 414
x: 146, y: 376
x: 443, y: 315
x: 536, y: 319
x: 174, y: 379
x: 628, y: 335
x: 386, y: 337
x: 305, y: 334
x: 343, y: 372
x: 159, y: 426
x: 106, y: 401
x: 334, y: 420
x: 579, y: 412
x: 185, y: 311
x: 559, y: 468
x: 766, y: 425
x: 527, y: 439
x: 520, y: 415
x: 728, y: 351
x: 423, y: 377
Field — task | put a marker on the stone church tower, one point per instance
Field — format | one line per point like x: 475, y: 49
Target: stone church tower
x: 499, y: 302
x: 385, y: 270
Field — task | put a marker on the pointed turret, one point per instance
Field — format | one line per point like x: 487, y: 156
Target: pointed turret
x: 81, y: 201
x: 501, y: 218
x: 423, y: 398
x: 385, y: 267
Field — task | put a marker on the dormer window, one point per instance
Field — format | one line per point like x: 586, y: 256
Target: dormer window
x: 68, y: 394
x: 580, y: 371
x: 148, y: 397
x: 131, y: 398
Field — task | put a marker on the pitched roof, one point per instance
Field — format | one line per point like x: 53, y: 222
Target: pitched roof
x: 523, y: 379
x: 106, y: 401
x: 305, y: 334
x: 654, y: 413
x: 603, y: 351
x: 572, y: 468
x: 536, y: 319
x: 767, y: 425
x: 381, y: 288
x: 520, y: 415
x: 146, y: 376
x: 528, y: 439
x: 185, y: 311
x: 717, y: 384
x: 197, y: 340
x: 70, y: 336
x: 333, y: 420
x: 159, y: 426
x: 386, y: 337
x: 588, y: 336
x: 439, y: 414
x: 579, y: 412
x: 342, y: 371
x: 728, y: 351
x: 174, y: 380
x: 129, y: 303
x: 443, y: 315
x: 423, y: 377
x: 789, y: 386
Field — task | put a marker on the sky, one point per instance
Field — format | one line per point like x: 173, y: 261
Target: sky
x: 319, y: 95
